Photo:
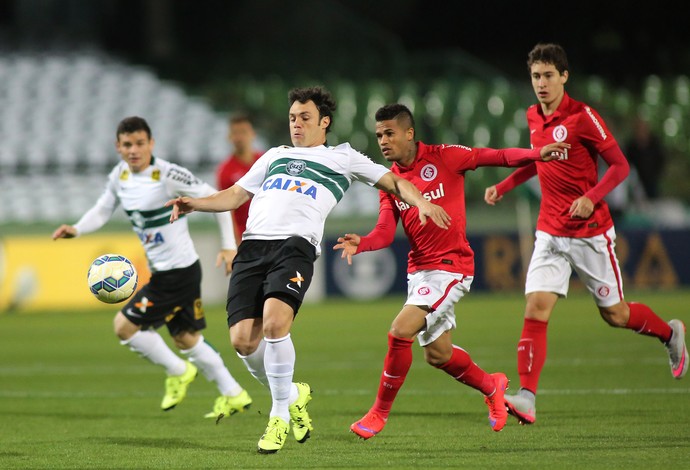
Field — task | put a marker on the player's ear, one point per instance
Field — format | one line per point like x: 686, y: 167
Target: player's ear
x: 564, y: 77
x: 325, y: 122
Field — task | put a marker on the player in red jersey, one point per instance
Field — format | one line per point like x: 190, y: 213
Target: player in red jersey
x: 441, y: 262
x: 242, y: 135
x: 574, y: 227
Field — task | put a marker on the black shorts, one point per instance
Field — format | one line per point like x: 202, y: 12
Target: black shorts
x: 171, y: 298
x: 269, y: 268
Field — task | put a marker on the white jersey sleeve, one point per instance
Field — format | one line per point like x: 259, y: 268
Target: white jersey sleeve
x: 182, y: 182
x: 101, y: 212
x: 364, y: 169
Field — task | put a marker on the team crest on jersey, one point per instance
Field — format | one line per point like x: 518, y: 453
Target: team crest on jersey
x: 124, y: 175
x: 295, y: 167
x: 156, y: 175
x: 428, y: 172
x: 560, y: 133
x: 137, y: 219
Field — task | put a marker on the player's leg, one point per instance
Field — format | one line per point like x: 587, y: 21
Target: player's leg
x: 233, y: 398
x: 148, y: 344
x: 396, y: 365
x: 457, y: 363
x: 136, y: 325
x: 597, y: 265
x: 547, y: 279
x: 292, y: 268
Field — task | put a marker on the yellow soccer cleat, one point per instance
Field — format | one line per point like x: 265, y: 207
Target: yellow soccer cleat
x: 228, y: 406
x: 176, y: 387
x: 301, y: 422
x: 274, y: 436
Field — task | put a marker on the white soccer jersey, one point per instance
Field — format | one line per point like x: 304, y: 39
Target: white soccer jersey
x: 142, y: 196
x: 295, y: 188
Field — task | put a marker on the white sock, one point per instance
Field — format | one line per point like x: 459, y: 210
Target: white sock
x: 211, y: 365
x: 279, y: 361
x: 149, y: 345
x: 255, y: 364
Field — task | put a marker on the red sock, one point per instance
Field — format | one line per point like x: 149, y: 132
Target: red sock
x: 645, y: 322
x: 395, y: 367
x: 531, y: 353
x: 462, y: 369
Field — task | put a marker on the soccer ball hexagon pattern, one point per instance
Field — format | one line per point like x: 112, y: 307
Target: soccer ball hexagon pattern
x: 112, y: 278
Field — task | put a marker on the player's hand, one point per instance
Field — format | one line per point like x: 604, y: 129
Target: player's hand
x: 554, y: 151
x: 226, y: 257
x: 181, y: 206
x: 64, y: 231
x: 348, y: 243
x: 581, y: 208
x: 491, y: 196
x: 437, y: 214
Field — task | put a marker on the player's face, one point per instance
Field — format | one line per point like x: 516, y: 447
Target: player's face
x: 548, y: 83
x: 306, y: 129
x: 395, y: 141
x: 241, y: 136
x: 136, y: 149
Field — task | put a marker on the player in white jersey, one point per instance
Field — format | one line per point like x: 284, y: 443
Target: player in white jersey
x: 142, y: 184
x: 292, y: 189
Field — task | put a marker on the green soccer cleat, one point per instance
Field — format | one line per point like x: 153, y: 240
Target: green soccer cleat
x: 301, y: 422
x: 274, y: 436
x: 228, y: 406
x: 176, y: 387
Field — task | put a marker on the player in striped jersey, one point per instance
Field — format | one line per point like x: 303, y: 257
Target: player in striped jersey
x: 141, y: 184
x: 292, y: 190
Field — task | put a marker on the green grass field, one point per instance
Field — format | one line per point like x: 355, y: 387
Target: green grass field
x: 72, y: 397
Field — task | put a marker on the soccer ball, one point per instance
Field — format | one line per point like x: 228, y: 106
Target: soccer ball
x: 112, y: 278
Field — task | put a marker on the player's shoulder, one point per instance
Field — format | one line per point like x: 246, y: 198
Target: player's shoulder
x: 441, y: 150
x: 173, y: 172
x: 119, y: 172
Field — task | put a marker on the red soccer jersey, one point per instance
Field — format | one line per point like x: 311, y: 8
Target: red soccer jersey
x: 227, y: 174
x: 564, y: 181
x: 438, y: 171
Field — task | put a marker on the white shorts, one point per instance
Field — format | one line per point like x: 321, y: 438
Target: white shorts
x: 593, y: 259
x: 439, y: 291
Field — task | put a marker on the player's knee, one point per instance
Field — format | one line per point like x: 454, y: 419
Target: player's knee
x: 435, y: 357
x: 123, y: 328
x: 614, y: 317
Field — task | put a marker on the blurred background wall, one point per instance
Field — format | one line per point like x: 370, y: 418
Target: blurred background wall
x: 70, y: 70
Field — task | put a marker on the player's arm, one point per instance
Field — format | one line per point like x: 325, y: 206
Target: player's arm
x: 93, y: 219
x: 511, y: 157
x: 220, y: 201
x: 408, y: 192
x: 495, y: 193
x: 381, y: 236
x: 618, y: 170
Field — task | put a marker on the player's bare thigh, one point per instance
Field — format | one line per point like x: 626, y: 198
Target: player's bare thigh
x: 540, y: 305
x: 245, y: 335
x: 409, y: 322
x: 440, y: 350
x: 123, y: 327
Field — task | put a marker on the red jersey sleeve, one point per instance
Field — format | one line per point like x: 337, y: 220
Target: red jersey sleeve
x: 516, y: 178
x: 384, y: 232
x: 617, y: 172
x: 509, y: 157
